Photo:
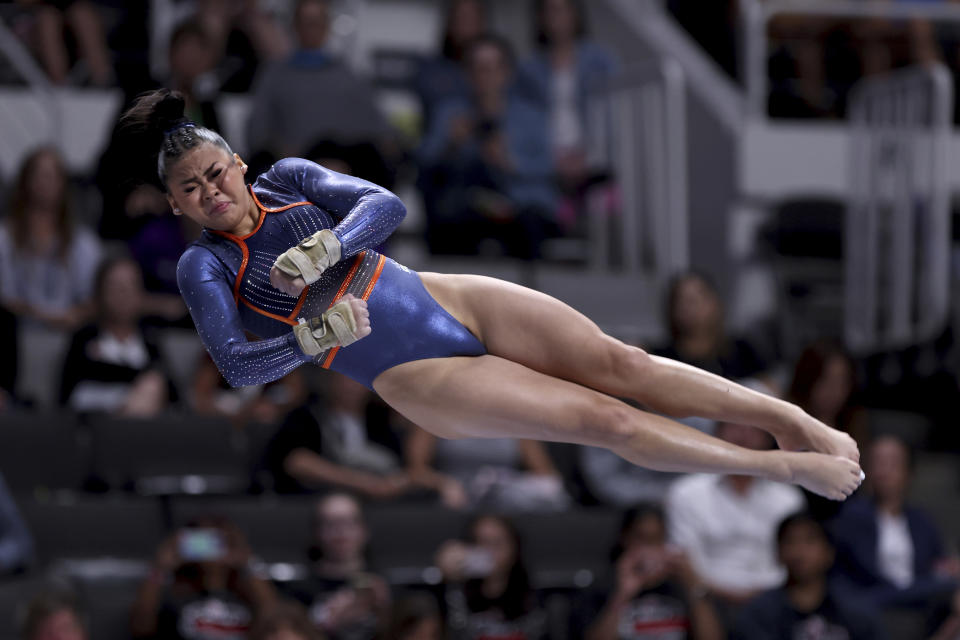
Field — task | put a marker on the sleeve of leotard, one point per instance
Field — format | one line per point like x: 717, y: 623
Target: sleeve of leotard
x: 367, y: 213
x: 205, y: 286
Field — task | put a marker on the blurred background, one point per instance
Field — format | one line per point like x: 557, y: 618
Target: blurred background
x: 762, y: 188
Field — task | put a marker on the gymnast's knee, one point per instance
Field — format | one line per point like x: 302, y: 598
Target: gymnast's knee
x: 609, y: 422
x: 630, y: 363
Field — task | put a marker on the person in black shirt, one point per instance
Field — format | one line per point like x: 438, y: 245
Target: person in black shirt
x: 807, y: 606
x: 657, y: 594
x: 344, y: 599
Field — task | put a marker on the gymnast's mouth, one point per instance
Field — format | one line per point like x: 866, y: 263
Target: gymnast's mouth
x: 219, y: 207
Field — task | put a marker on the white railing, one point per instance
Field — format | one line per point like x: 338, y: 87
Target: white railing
x: 757, y: 14
x: 638, y: 132
x: 897, y: 235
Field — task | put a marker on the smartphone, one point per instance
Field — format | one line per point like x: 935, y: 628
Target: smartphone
x: 478, y: 563
x: 202, y: 545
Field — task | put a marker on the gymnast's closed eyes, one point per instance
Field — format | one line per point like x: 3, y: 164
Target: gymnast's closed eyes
x: 290, y: 260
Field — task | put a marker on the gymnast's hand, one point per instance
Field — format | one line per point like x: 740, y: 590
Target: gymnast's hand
x: 304, y: 263
x: 342, y: 324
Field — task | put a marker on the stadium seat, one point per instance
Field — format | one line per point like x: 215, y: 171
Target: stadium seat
x: 43, y: 451
x: 170, y: 455
x: 404, y: 538
x: 94, y: 528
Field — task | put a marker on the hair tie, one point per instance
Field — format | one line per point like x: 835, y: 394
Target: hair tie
x: 175, y: 127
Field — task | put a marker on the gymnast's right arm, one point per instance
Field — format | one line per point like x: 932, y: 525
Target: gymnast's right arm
x: 205, y: 286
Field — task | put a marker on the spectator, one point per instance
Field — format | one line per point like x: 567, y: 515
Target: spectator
x: 286, y: 621
x: 891, y: 551
x: 345, y: 600
x: 191, y: 64
x: 726, y: 524
x: 488, y: 591
x: 566, y: 69
x: 114, y: 365
x: 416, y: 617
x: 807, y: 605
x: 340, y: 443
x: 53, y: 616
x: 45, y: 36
x: 487, y: 166
x: 16, y: 543
x: 241, y: 35
x: 200, y: 587
x: 262, y: 404
x: 47, y: 263
x: 657, y: 592
x: 441, y: 77
x: 501, y: 474
x: 331, y: 104
x: 697, y: 333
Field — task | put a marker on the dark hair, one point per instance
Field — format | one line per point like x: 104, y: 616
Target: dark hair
x: 189, y: 28
x: 630, y: 517
x: 799, y: 518
x: 909, y: 450
x: 494, y: 40
x: 448, y: 48
x: 539, y: 31
x: 673, y: 292
x: 45, y: 605
x: 285, y: 615
x: 157, y: 117
x: 810, y: 367
x: 105, y: 267
x: 515, y: 601
x: 410, y: 611
x: 20, y: 202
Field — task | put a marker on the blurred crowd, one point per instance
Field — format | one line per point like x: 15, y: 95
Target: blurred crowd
x: 500, y: 159
x: 814, y: 61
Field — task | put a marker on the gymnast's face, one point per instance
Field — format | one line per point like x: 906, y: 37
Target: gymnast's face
x: 207, y: 186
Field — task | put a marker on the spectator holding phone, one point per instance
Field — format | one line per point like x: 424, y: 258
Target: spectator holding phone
x: 344, y: 599
x: 200, y: 587
x: 657, y: 592
x: 488, y: 592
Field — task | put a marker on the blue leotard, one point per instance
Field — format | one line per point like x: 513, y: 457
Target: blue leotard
x: 225, y: 282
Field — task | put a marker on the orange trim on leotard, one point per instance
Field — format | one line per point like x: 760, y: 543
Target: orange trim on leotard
x: 276, y: 209
x: 366, y: 296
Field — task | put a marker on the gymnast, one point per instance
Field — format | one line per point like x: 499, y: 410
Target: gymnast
x: 290, y: 260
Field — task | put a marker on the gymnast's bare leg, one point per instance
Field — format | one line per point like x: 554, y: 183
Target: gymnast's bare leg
x: 550, y: 375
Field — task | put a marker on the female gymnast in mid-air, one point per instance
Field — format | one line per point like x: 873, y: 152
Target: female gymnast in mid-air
x: 290, y: 260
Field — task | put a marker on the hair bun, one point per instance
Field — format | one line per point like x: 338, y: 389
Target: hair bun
x: 168, y: 110
x: 155, y: 112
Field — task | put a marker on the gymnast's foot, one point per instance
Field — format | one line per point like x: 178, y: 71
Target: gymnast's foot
x: 809, y: 434
x: 833, y: 477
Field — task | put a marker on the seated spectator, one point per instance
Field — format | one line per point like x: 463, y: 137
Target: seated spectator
x: 808, y: 605
x: 416, y: 617
x: 888, y: 550
x: 286, y: 621
x: 45, y: 36
x: 500, y: 474
x: 487, y: 168
x: 332, y: 103
x: 242, y: 35
x: 53, y: 616
x: 262, y: 404
x: 563, y: 73
x: 47, y: 263
x: 341, y: 441
x: 824, y: 383
x: 657, y: 592
x: 441, y: 76
x: 697, y: 334
x: 727, y: 524
x: 487, y: 588
x: 344, y: 599
x: 114, y: 365
x: 201, y: 587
